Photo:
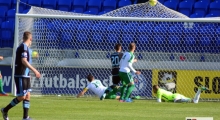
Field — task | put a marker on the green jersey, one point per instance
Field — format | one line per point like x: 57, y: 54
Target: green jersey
x: 164, y: 95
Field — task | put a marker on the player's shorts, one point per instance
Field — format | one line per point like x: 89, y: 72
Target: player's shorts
x: 116, y: 79
x: 23, y: 86
x: 112, y: 92
x: 126, y: 78
x: 178, y: 96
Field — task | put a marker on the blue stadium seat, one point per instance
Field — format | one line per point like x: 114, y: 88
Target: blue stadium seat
x: 207, y: 2
x: 123, y: 3
x: 68, y: 35
x: 129, y: 32
x: 201, y: 8
x: 7, y: 34
x: 79, y: 6
x: 175, y: 34
x: 108, y: 5
x: 191, y: 2
x: 21, y: 5
x: 11, y: 15
x: 37, y: 3
x: 159, y: 30
x: 94, y: 6
x: 64, y: 5
x: 171, y: 4
x: 196, y: 15
x: 214, y: 8
x: 83, y: 31
x: 185, y: 7
x: 145, y: 32
x: 5, y: 4
x: 53, y: 34
x: 50, y: 4
x: 2, y: 15
x: 99, y: 31
x: 112, y: 32
x: 206, y: 33
x: 161, y: 1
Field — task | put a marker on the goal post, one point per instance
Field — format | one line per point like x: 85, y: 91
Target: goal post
x: 179, y: 53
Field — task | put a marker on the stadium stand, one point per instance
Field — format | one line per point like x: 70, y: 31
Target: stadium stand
x: 108, y: 5
x: 171, y: 4
x: 5, y: 4
x: 123, y: 3
x: 21, y: 5
x: 7, y: 33
x: 2, y: 15
x: 214, y: 9
x: 11, y: 15
x: 79, y: 6
x: 64, y: 5
x: 93, y: 7
x: 50, y: 4
x: 200, y: 8
x: 185, y: 7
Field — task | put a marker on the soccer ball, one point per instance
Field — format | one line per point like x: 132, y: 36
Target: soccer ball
x: 34, y: 54
x: 152, y: 2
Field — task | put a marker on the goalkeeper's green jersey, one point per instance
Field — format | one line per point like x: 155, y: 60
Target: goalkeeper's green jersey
x: 164, y: 95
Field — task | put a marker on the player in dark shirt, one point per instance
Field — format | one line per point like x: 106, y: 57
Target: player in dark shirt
x: 22, y: 77
x: 115, y: 60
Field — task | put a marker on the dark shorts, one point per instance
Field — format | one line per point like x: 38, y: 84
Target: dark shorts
x: 116, y: 79
x: 23, y: 86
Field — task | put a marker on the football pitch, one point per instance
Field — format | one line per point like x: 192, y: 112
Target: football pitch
x: 71, y: 108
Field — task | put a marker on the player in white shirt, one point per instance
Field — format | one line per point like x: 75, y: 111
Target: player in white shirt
x: 125, y: 73
x: 100, y: 90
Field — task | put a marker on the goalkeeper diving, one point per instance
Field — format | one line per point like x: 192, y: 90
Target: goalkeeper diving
x: 167, y: 96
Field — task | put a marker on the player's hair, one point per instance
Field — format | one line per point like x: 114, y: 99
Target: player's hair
x: 26, y: 35
x: 155, y: 87
x: 117, y: 46
x: 131, y: 46
x: 90, y: 77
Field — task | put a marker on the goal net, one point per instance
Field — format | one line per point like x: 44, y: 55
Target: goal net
x: 176, y: 52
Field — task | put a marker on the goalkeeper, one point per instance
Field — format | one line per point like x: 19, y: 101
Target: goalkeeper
x: 167, y: 96
x: 100, y: 90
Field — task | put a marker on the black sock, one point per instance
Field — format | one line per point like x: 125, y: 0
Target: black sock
x: 26, y: 106
x: 14, y: 102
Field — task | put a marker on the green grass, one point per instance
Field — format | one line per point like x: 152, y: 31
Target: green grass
x: 67, y: 108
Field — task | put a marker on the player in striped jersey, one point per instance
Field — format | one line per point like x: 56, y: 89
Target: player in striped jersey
x: 115, y: 60
x: 166, y: 96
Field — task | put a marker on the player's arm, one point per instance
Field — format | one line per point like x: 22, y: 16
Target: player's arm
x: 82, y: 92
x: 27, y: 64
x: 131, y: 67
x: 159, y: 95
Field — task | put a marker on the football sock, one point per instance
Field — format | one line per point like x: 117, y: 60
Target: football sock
x: 129, y: 90
x: 197, y: 96
x: 26, y: 106
x: 1, y: 86
x: 123, y: 91
x: 14, y: 102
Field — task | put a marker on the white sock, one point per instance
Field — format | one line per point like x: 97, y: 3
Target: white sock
x: 197, y: 96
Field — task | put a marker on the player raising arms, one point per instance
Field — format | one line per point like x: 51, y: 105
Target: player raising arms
x: 125, y: 73
x: 167, y: 96
x: 115, y: 60
x: 22, y: 77
x: 100, y: 90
